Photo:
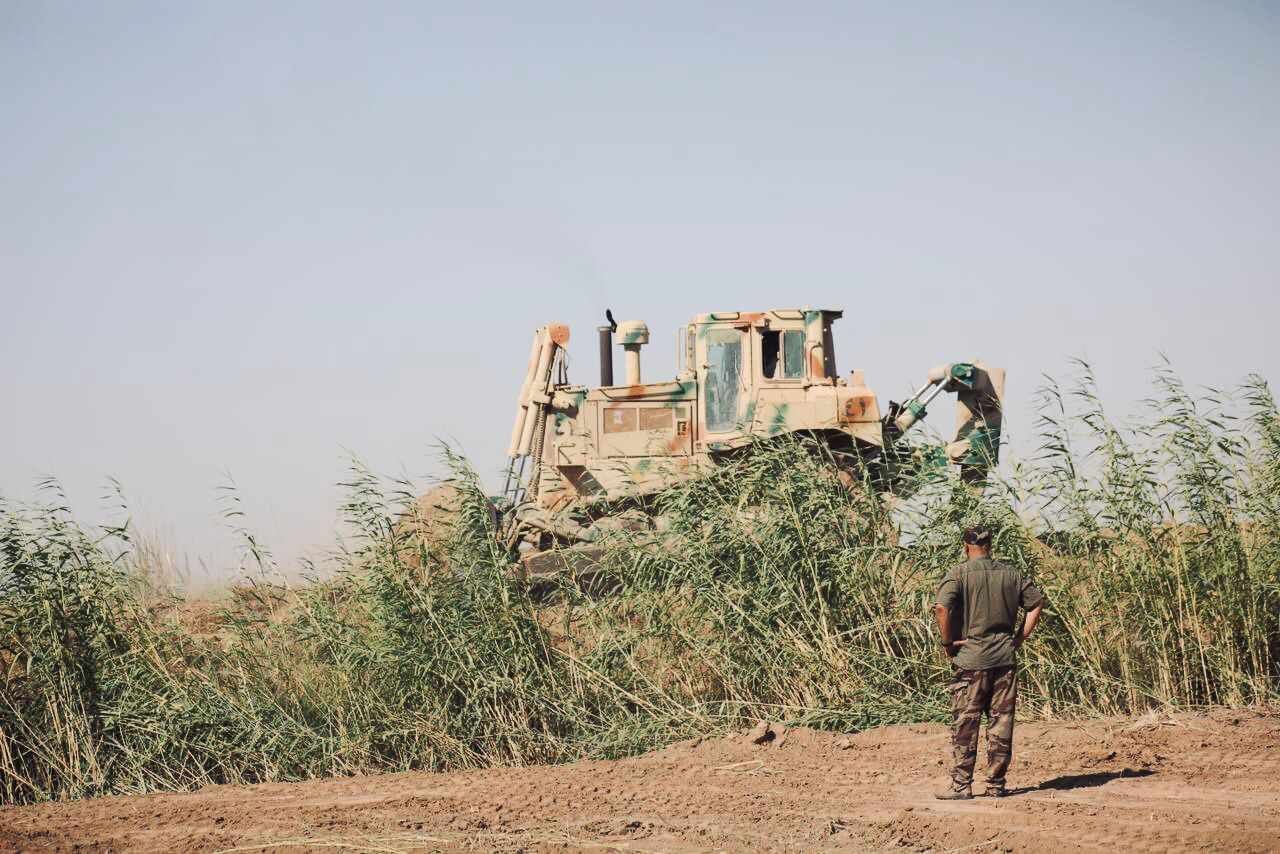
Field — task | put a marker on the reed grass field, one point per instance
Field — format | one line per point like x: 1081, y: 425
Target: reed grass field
x: 777, y: 592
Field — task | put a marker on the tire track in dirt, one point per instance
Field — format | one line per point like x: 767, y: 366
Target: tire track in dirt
x: 1183, y: 783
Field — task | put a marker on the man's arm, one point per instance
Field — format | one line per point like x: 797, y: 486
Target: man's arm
x: 948, y: 598
x: 950, y: 644
x: 1032, y: 600
x: 1029, y: 623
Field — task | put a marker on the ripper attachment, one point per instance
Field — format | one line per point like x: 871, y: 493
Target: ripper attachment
x: 979, y: 395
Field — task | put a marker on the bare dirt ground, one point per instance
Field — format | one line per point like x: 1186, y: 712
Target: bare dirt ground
x: 1204, y: 782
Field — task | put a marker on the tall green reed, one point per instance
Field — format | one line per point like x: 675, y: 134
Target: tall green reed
x: 775, y: 590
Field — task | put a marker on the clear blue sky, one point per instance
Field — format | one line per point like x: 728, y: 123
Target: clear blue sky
x: 242, y: 236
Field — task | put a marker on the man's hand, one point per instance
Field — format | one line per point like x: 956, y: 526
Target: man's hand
x: 953, y: 647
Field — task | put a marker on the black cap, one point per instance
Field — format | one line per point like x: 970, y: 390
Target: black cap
x: 977, y: 536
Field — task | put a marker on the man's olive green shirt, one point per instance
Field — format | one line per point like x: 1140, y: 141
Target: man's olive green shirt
x: 983, y: 597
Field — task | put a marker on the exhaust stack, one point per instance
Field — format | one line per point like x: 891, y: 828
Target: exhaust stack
x: 606, y: 354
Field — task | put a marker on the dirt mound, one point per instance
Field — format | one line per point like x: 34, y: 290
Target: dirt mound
x: 428, y: 525
x: 1182, y: 783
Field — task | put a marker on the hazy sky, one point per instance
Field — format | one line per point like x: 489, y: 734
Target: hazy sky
x: 242, y: 237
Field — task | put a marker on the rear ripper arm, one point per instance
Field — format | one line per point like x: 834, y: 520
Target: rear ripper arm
x: 979, y: 403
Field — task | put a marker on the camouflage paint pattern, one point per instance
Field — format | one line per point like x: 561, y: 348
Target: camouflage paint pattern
x: 974, y: 693
x: 979, y: 417
x: 766, y: 373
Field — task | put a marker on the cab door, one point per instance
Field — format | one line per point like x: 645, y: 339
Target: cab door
x: 723, y: 378
x: 780, y: 366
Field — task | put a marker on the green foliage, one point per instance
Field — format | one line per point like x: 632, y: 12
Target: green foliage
x: 775, y: 590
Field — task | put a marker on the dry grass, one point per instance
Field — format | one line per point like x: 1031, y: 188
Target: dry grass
x: 1158, y: 545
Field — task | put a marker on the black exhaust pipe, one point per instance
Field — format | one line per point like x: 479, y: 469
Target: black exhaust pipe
x: 606, y: 348
x: 606, y: 355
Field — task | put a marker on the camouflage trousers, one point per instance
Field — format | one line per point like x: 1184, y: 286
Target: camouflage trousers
x: 974, y: 692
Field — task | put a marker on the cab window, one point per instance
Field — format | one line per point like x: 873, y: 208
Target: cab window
x: 723, y: 378
x: 782, y: 354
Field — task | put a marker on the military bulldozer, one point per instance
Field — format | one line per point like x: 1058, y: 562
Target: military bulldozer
x: 580, y: 458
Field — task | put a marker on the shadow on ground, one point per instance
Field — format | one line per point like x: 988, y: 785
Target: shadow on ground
x: 1082, y: 781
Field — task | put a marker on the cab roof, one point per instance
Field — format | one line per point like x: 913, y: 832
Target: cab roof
x: 755, y: 316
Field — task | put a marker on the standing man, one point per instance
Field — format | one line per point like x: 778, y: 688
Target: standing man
x: 977, y: 611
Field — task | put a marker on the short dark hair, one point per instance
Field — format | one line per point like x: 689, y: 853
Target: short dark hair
x: 977, y: 536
